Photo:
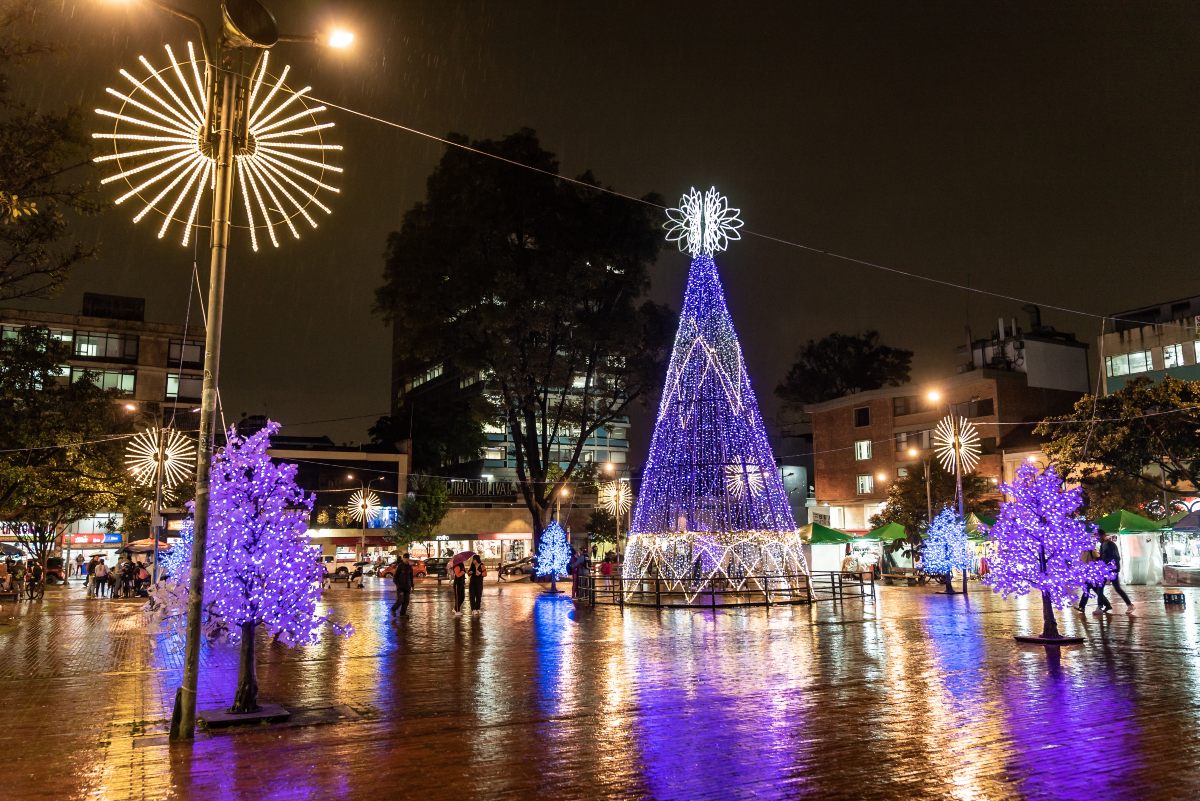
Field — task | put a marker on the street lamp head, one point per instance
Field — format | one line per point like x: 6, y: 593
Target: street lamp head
x: 913, y: 452
x: 247, y: 23
x: 339, y: 38
x: 881, y: 476
x: 349, y: 476
x: 564, y: 492
x: 609, y: 467
x: 934, y: 396
x: 131, y: 407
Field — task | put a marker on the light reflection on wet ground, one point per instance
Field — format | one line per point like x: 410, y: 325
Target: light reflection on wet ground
x: 918, y: 696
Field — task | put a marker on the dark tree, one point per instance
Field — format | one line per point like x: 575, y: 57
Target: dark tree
x: 1146, y: 434
x: 423, y: 512
x: 602, y: 526
x: 59, y: 458
x: 38, y: 153
x: 841, y: 364
x: 443, y: 431
x: 907, y: 505
x: 536, y: 284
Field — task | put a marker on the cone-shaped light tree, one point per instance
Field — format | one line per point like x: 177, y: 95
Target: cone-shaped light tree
x: 712, y: 504
x: 1038, y: 544
x: 261, y: 568
x: 945, y: 548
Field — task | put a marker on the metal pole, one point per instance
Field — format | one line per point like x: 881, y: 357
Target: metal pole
x: 958, y: 485
x: 156, y: 523
x: 183, y: 720
x: 928, y: 494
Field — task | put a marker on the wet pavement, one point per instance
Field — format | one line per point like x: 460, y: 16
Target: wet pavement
x: 916, y: 696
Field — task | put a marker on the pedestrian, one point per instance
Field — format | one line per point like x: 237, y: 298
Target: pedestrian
x: 79, y: 560
x: 579, y: 567
x: 101, y: 578
x: 403, y: 579
x: 459, y: 585
x: 1109, y: 552
x: 476, y: 571
x: 1098, y: 588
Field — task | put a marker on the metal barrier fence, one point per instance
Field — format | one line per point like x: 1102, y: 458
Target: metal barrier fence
x: 655, y: 592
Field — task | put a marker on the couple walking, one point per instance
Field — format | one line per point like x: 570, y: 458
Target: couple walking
x: 1109, y: 552
x: 474, y: 571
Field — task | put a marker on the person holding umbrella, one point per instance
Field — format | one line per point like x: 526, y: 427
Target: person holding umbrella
x: 458, y: 573
x: 476, y: 571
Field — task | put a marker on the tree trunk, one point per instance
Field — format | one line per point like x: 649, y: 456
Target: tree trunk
x: 246, y: 698
x: 950, y: 582
x: 1049, y: 624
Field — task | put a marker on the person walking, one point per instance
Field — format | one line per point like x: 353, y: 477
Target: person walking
x: 403, y: 579
x: 79, y: 560
x: 101, y: 578
x: 1101, y: 601
x: 475, y: 572
x: 1109, y: 552
x: 459, y: 584
x: 580, y: 566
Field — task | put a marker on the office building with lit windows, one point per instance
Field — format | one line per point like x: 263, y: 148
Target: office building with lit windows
x: 110, y: 339
x: 1152, y: 341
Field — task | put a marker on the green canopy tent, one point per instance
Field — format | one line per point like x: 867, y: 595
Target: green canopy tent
x: 976, y: 524
x: 1125, y: 521
x: 889, y: 532
x: 817, y: 534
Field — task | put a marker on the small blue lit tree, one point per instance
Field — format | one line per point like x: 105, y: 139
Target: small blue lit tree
x: 946, y: 549
x: 172, y: 563
x: 1038, y: 544
x: 261, y: 568
x: 554, y: 554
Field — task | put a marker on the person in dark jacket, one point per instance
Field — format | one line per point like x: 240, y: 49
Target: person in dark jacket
x: 458, y: 576
x: 475, y: 573
x: 403, y: 579
x: 1109, y: 552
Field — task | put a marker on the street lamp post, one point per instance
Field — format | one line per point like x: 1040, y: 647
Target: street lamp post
x: 914, y: 453
x: 246, y: 24
x: 957, y: 444
x: 363, y: 506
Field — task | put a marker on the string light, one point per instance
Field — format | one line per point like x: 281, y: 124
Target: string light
x: 1037, y: 541
x: 176, y: 465
x: 363, y: 506
x: 161, y: 149
x: 945, y: 548
x: 711, y: 503
x: 956, y: 443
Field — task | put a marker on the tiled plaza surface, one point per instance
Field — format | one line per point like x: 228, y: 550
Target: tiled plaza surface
x: 918, y: 696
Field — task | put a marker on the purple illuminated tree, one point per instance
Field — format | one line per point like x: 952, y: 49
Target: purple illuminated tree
x: 261, y: 568
x: 712, y: 504
x: 945, y: 548
x: 1038, y: 544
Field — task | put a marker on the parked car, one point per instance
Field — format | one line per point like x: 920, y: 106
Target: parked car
x: 419, y: 570
x: 519, y: 567
x: 437, y: 566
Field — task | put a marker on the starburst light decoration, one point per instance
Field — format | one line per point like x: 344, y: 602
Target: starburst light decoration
x: 162, y: 152
x: 176, y: 465
x: 744, y: 477
x: 703, y: 224
x: 712, y: 512
x: 956, y: 444
x: 363, y: 506
x: 616, y: 497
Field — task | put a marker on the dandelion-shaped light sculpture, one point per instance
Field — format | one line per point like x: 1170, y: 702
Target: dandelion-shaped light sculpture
x: 175, y: 465
x: 616, y: 497
x: 364, y: 506
x: 956, y: 444
x: 161, y: 149
x: 744, y: 478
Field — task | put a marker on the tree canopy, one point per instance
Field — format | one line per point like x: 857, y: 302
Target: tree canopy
x: 1126, y: 448
x: 423, y: 512
x: 60, y: 457
x: 841, y: 364
x: 38, y: 150
x: 906, y: 502
x: 536, y: 285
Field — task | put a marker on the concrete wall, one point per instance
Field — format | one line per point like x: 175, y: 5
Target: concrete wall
x: 1051, y: 365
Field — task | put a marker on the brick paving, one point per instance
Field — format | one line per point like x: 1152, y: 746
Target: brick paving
x: 916, y: 696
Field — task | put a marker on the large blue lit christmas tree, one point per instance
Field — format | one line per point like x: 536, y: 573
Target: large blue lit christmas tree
x: 712, y: 508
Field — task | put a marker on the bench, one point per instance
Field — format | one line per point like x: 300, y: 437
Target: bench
x: 906, y: 574
x: 8, y: 596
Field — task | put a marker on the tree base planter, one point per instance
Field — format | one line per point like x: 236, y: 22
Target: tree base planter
x: 223, y: 718
x: 1039, y: 640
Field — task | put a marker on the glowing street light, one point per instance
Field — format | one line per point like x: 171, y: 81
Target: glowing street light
x: 339, y: 38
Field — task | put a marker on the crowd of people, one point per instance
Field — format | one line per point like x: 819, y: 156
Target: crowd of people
x: 21, y: 575
x: 125, y: 579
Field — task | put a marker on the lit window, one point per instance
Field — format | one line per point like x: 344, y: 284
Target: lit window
x: 1117, y: 365
x: 1140, y: 361
x: 1196, y: 345
x: 102, y: 345
x: 616, y: 433
x: 492, y: 427
x: 120, y: 380
x: 494, y: 454
x: 862, y: 449
x: 186, y: 352
x: 1172, y: 356
x: 865, y: 484
x: 901, y: 472
x: 186, y: 388
x: 617, y: 457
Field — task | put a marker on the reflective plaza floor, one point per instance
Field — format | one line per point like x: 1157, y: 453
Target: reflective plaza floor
x: 916, y: 696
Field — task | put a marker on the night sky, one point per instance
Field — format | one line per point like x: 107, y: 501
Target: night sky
x: 1043, y: 150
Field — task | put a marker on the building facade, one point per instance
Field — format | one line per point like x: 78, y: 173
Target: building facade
x: 1152, y: 341
x: 865, y: 441
x: 157, y: 365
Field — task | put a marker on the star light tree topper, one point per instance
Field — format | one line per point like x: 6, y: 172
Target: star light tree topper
x: 712, y: 505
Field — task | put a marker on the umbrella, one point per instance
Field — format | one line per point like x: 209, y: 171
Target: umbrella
x: 9, y: 550
x: 1126, y: 521
x: 145, y: 546
x: 889, y: 532
x: 818, y: 534
x: 461, y: 557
